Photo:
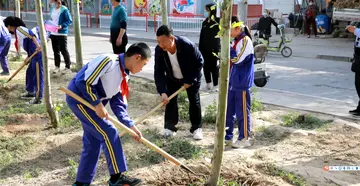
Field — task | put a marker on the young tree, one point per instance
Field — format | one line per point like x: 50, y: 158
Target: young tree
x: 164, y: 13
x: 47, y: 89
x: 77, y: 35
x: 17, y: 14
x: 225, y: 26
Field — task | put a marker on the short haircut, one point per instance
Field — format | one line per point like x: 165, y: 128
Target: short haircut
x: 117, y: 1
x: 13, y: 21
x: 139, y: 48
x: 164, y: 30
x: 234, y: 19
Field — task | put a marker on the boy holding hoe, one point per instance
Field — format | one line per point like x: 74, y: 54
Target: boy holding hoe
x: 103, y: 80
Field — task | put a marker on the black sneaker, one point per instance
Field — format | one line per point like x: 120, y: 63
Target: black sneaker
x: 125, y: 181
x: 27, y: 96
x: 75, y: 184
x: 4, y: 73
x: 356, y: 111
x: 35, y: 101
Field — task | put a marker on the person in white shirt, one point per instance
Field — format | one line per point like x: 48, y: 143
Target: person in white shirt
x: 61, y: 17
x: 178, y: 62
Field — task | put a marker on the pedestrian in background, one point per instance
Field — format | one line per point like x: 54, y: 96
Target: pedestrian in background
x: 310, y: 15
x: 118, y: 37
x: 355, y: 67
x: 60, y: 16
x: 209, y: 45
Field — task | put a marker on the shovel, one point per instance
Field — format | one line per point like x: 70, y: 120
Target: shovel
x: 128, y: 130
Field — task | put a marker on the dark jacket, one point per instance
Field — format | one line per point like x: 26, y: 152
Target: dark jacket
x: 265, y: 24
x: 190, y: 62
x: 208, y: 43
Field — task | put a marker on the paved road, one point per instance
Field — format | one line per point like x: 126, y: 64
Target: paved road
x: 298, y: 82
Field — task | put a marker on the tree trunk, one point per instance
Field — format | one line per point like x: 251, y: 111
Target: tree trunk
x: 164, y: 13
x: 77, y: 35
x: 226, y: 9
x: 17, y: 14
x: 47, y: 89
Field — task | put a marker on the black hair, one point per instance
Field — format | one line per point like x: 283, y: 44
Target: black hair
x: 164, y: 30
x: 139, y: 48
x: 13, y: 21
x: 117, y: 1
x: 234, y: 19
x: 208, y: 7
x: 64, y: 3
x: 246, y: 29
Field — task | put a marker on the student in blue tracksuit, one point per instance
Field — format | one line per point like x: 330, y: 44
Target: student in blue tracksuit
x: 241, y: 80
x: 29, y: 40
x: 5, y: 41
x: 98, y: 83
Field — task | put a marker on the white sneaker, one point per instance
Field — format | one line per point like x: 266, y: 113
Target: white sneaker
x: 208, y: 86
x: 56, y: 70
x: 215, y: 89
x: 197, y: 134
x: 66, y: 71
x: 229, y: 142
x: 242, y: 143
x: 169, y: 133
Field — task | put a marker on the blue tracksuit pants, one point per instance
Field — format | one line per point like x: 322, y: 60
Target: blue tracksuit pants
x: 239, y: 104
x: 4, y: 50
x: 98, y: 134
x: 35, y: 77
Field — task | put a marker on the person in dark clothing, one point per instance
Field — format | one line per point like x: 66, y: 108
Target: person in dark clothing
x: 209, y: 44
x: 355, y: 67
x: 178, y: 62
x: 264, y: 26
x: 118, y: 37
x: 310, y: 15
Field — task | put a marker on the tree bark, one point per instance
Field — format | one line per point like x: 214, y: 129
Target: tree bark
x: 17, y: 14
x: 226, y: 9
x: 47, y: 88
x: 77, y: 35
x: 164, y: 13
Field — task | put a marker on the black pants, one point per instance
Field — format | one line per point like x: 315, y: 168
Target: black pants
x: 211, y: 69
x: 59, y: 44
x: 357, y: 86
x: 172, y: 113
x: 118, y: 49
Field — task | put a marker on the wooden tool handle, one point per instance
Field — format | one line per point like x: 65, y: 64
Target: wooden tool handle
x: 159, y: 106
x: 123, y: 127
x: 154, y: 109
x: 22, y: 66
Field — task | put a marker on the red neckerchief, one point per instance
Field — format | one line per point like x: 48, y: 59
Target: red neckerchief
x: 16, y: 41
x: 237, y: 40
x: 124, y: 85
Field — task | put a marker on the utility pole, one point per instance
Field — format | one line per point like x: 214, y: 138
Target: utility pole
x: 164, y: 12
x: 242, y: 10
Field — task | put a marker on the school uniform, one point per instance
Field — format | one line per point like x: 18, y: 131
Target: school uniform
x: 241, y: 80
x: 99, y: 81
x: 35, y: 71
x: 5, y: 42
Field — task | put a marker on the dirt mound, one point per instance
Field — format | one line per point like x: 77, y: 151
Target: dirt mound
x: 8, y: 92
x: 27, y: 123
x: 236, y: 171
